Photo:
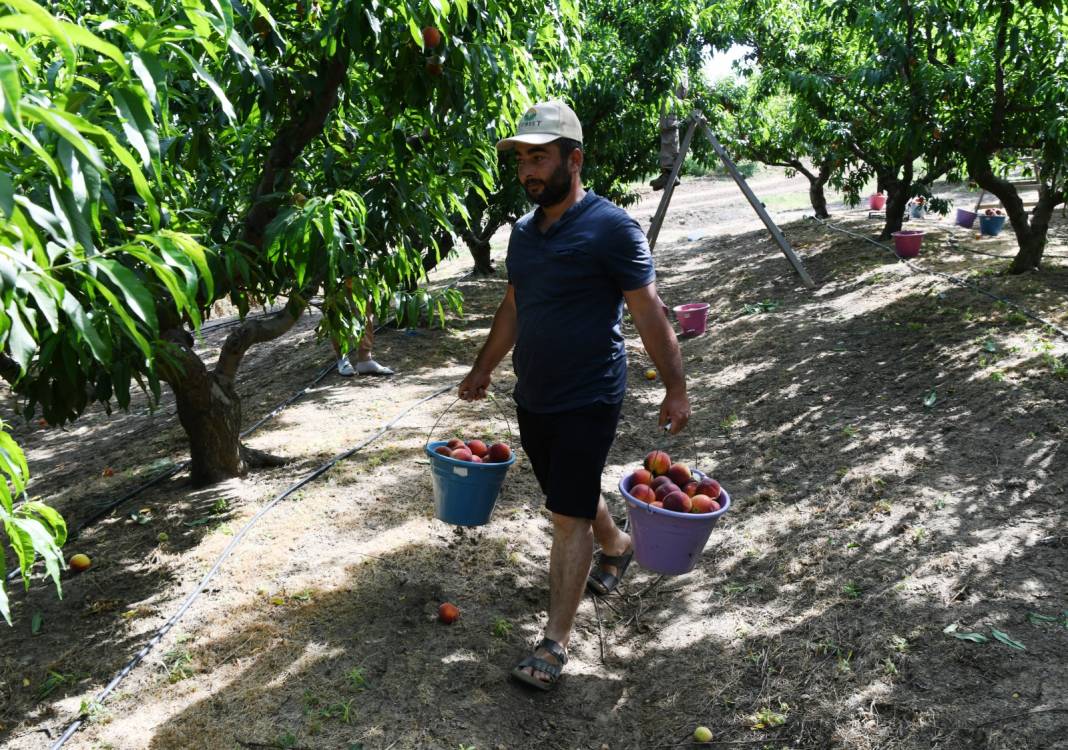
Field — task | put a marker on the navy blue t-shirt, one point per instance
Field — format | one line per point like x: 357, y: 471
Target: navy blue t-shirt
x: 569, y: 285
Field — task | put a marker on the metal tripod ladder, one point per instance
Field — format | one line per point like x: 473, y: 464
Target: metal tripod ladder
x: 697, y: 120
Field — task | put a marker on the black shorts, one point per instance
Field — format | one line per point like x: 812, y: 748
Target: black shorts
x: 567, y: 451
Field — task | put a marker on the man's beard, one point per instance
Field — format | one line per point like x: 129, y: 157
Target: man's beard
x: 553, y: 191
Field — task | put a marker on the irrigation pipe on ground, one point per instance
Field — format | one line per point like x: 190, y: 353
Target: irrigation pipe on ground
x: 195, y: 594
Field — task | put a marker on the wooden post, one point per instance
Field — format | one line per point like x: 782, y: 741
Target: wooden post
x: 776, y: 233
x: 669, y: 188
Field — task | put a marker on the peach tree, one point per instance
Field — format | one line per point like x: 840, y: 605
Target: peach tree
x: 158, y: 157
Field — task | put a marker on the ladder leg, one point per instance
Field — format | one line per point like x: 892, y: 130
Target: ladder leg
x: 669, y: 188
x: 776, y: 233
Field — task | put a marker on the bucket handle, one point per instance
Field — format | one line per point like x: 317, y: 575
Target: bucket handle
x: 452, y: 403
x: 665, y: 431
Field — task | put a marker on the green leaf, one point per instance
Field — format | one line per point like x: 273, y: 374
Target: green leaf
x: 417, y: 33
x: 45, y: 293
x: 38, y: 21
x: 137, y: 124
x: 40, y: 541
x: 100, y: 347
x: 7, y: 194
x: 60, y: 123
x: 974, y: 637
x: 205, y: 76
x: 133, y: 290
x: 1004, y: 638
x: 50, y: 517
x: 930, y: 398
x: 146, y: 78
x: 10, y: 89
x: 36, y: 622
x: 20, y: 339
x: 13, y: 463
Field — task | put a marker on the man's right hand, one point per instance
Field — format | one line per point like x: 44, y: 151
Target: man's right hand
x: 474, y: 386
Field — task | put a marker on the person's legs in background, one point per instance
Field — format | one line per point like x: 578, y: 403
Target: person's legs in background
x: 365, y: 363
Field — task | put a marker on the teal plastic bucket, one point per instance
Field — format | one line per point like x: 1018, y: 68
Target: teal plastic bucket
x: 465, y: 492
x: 991, y: 225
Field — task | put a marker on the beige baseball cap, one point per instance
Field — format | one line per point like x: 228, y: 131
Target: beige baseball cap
x: 543, y: 123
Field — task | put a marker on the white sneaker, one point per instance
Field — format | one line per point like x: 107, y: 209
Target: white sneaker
x: 370, y: 367
x: 344, y: 368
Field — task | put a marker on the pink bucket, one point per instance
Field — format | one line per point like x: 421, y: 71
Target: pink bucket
x: 692, y: 317
x: 877, y: 202
x: 907, y: 242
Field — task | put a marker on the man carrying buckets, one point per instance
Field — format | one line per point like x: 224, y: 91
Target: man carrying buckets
x: 572, y: 262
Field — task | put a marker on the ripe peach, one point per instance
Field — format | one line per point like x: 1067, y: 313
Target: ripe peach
x: 678, y: 501
x: 660, y: 480
x: 650, y: 374
x: 478, y: 448
x: 656, y: 504
x: 107, y: 472
x: 499, y: 453
x: 448, y: 613
x: 643, y: 492
x: 679, y: 473
x: 476, y: 459
x: 433, y: 67
x: 462, y: 454
x: 456, y: 443
x: 641, y: 476
x: 658, y: 462
x: 709, y: 486
x: 443, y: 450
x: 704, y: 504
x: 431, y: 37
x: 79, y: 562
x: 666, y: 489
x: 690, y: 488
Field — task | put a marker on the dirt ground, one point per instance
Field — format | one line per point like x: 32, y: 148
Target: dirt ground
x: 891, y: 574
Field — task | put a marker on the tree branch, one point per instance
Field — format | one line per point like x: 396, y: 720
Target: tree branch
x: 256, y: 331
x: 290, y: 142
x: 997, y: 117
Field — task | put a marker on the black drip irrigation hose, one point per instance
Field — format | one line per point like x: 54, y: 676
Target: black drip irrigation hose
x: 955, y: 279
x: 195, y: 594
x: 109, y: 507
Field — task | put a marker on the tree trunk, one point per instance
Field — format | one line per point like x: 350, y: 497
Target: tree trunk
x: 210, y: 413
x: 480, y: 252
x: 897, y: 199
x: 432, y: 257
x: 816, y: 182
x: 209, y: 407
x: 1031, y: 229
x: 815, y: 191
x: 818, y: 199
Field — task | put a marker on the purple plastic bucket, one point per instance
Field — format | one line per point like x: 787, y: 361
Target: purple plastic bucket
x: 877, y: 202
x: 692, y: 317
x: 991, y: 225
x: 907, y: 242
x: 665, y: 541
x: 965, y: 218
